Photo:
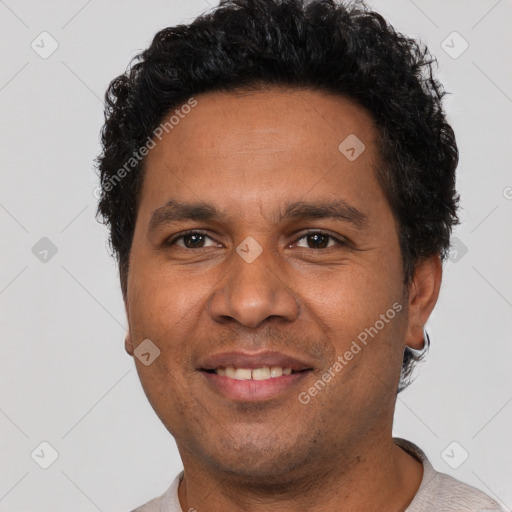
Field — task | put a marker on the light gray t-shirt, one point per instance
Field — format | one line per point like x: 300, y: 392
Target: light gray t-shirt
x: 438, y: 492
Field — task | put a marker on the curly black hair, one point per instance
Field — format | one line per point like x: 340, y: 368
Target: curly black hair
x: 324, y: 45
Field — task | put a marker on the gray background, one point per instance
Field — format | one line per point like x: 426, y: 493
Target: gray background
x: 64, y: 376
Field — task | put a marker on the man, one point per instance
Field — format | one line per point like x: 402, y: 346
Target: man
x: 279, y: 182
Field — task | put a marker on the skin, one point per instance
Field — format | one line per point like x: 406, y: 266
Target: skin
x: 249, y: 154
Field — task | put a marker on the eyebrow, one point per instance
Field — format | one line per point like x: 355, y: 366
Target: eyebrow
x: 175, y: 211
x: 339, y: 210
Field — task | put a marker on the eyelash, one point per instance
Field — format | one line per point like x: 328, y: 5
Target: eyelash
x: 339, y: 241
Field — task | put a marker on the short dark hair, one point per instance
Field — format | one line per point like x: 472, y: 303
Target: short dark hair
x: 343, y: 49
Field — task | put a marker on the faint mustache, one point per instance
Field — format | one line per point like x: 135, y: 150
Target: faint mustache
x: 273, y: 339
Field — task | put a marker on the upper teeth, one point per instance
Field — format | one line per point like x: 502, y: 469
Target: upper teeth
x: 262, y: 373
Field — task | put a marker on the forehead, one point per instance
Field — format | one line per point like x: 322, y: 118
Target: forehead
x: 272, y: 123
x: 233, y: 146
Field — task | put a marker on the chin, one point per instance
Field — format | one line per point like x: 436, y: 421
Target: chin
x: 268, y: 463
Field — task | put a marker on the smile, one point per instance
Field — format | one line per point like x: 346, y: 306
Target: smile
x: 262, y: 373
x: 244, y: 377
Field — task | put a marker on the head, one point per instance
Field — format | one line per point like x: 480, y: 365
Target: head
x: 311, y: 136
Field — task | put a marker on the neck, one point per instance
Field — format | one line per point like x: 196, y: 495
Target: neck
x: 380, y: 476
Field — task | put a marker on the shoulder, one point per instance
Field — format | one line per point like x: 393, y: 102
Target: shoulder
x: 439, y: 491
x: 463, y: 496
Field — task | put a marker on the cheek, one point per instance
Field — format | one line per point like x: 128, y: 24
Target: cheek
x: 160, y: 303
x: 362, y: 312
x: 160, y: 310
x: 356, y: 296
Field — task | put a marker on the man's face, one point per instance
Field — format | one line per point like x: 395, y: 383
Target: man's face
x: 270, y: 283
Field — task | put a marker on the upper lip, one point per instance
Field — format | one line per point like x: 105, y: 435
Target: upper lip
x: 249, y: 360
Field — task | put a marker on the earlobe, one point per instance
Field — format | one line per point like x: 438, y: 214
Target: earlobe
x: 415, y: 338
x: 128, y: 344
x: 418, y: 339
x: 423, y: 295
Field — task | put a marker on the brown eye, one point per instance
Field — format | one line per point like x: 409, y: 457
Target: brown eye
x: 193, y: 240
x: 320, y: 240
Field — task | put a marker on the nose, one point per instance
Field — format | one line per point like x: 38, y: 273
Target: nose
x: 252, y: 292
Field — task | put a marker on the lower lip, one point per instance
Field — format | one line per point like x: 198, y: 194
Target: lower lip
x: 253, y: 390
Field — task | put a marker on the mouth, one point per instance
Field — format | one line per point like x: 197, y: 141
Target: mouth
x: 263, y: 373
x: 244, y: 377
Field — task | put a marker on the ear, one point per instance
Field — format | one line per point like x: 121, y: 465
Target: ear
x: 423, y: 295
